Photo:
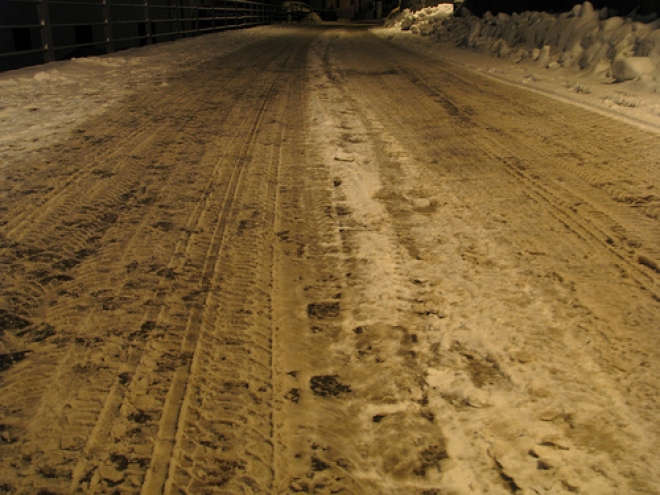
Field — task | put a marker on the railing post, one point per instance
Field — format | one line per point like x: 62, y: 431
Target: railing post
x: 196, y: 4
x: 147, y: 21
x: 46, y: 31
x: 107, y: 28
x: 173, y: 21
x: 177, y: 20
x: 213, y: 16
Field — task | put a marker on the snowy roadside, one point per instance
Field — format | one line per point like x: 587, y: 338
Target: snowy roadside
x: 41, y: 104
x: 608, y: 64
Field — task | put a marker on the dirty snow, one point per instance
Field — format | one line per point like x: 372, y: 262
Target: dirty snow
x: 41, y: 104
x: 590, y: 57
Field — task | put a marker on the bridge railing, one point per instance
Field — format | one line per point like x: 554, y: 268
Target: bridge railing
x: 38, y: 31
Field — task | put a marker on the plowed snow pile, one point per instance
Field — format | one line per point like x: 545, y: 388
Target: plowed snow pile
x: 422, y: 21
x: 593, y: 56
x: 617, y: 47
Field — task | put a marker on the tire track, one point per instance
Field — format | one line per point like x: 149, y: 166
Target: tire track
x: 513, y: 176
x: 636, y: 247
x: 590, y: 168
x: 210, y: 225
x: 350, y: 414
x: 270, y: 290
x: 129, y: 274
x: 181, y: 412
x: 590, y: 223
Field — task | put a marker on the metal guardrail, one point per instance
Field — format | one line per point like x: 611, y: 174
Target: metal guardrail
x: 39, y: 31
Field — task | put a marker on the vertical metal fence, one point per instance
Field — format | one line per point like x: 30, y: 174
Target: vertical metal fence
x: 38, y: 31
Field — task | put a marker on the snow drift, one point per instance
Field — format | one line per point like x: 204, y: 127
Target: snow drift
x: 585, y: 39
x: 423, y: 21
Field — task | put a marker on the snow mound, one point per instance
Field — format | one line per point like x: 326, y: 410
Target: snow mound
x: 312, y: 18
x: 585, y: 39
x: 422, y: 21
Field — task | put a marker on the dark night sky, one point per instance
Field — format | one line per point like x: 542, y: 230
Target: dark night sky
x: 508, y: 6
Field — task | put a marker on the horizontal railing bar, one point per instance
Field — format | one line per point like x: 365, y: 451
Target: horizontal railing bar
x: 184, y: 21
x: 76, y: 2
x: 122, y: 23
x: 23, y: 52
x: 20, y: 26
x: 132, y: 38
x: 75, y: 24
x: 95, y: 3
x: 173, y: 19
x: 127, y: 6
x: 81, y: 45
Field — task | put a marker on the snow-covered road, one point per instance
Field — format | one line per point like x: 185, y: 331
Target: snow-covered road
x: 319, y: 260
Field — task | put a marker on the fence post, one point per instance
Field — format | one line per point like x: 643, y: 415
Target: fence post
x: 196, y: 4
x: 107, y: 28
x: 147, y: 21
x: 213, y: 16
x: 46, y: 31
x: 177, y: 20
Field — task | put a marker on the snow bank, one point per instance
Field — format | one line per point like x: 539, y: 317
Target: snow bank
x: 312, y: 18
x: 585, y: 39
x: 423, y: 21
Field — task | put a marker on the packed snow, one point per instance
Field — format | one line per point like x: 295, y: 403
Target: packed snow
x: 591, y: 57
x: 42, y: 104
x: 584, y: 62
